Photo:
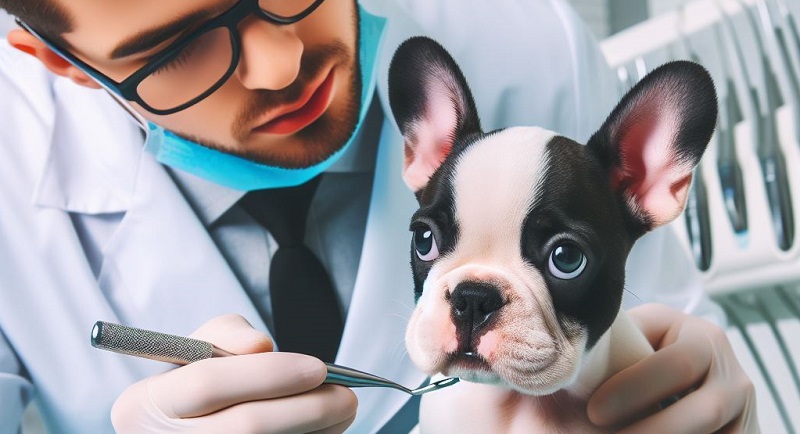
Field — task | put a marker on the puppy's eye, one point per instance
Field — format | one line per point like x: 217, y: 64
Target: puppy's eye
x: 567, y: 261
x: 425, y: 244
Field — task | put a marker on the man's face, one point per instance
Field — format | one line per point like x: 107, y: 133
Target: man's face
x: 293, y: 100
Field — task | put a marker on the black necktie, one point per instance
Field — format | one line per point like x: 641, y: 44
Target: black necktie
x: 305, y: 309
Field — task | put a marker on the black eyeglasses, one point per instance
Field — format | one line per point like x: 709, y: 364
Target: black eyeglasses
x: 193, y: 67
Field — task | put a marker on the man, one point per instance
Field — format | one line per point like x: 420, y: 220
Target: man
x: 152, y: 230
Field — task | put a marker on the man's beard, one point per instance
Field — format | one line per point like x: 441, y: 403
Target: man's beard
x: 320, y: 139
x: 323, y: 137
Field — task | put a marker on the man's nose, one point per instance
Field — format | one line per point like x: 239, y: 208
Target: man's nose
x: 271, y: 54
x: 473, y: 305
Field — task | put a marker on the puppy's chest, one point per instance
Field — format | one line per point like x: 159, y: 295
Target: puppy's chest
x: 559, y: 413
x: 487, y: 409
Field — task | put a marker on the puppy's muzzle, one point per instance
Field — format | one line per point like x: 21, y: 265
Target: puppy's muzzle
x: 474, y: 305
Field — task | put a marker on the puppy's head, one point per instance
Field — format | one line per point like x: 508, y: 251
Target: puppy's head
x: 521, y: 237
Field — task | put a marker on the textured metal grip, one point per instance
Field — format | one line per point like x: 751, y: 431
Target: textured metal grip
x: 149, y: 344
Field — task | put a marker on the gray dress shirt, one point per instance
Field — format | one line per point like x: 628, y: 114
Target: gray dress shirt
x: 335, y: 228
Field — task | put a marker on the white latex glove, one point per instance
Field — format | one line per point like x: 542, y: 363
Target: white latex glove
x: 257, y: 391
x: 691, y: 355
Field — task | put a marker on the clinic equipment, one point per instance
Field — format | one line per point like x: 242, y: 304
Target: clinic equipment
x: 742, y: 216
x: 182, y: 350
x: 773, y: 161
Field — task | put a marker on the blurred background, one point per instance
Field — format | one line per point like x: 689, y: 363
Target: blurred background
x: 741, y: 219
x: 607, y: 17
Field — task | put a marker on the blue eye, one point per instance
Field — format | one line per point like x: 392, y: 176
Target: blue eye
x: 425, y: 244
x: 567, y: 261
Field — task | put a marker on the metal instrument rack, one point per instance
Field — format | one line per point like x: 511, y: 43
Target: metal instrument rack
x: 741, y: 222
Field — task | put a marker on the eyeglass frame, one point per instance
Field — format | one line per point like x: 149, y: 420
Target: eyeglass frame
x: 230, y: 19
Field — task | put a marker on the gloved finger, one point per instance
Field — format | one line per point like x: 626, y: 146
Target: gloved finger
x: 746, y: 423
x: 706, y: 410
x: 328, y: 408
x: 233, y: 334
x: 656, y: 321
x: 213, y: 384
x: 640, y: 388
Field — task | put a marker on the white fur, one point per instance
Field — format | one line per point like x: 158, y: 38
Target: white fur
x: 497, y: 181
x: 544, y: 375
x: 494, y: 193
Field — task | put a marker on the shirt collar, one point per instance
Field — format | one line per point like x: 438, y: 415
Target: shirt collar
x: 209, y: 200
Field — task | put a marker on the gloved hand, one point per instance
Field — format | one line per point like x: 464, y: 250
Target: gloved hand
x: 256, y: 391
x: 692, y: 355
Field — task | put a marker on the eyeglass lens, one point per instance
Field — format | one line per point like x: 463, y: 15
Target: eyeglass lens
x: 194, y: 70
x: 201, y: 64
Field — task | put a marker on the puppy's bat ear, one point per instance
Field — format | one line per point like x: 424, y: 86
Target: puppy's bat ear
x: 655, y: 137
x: 432, y: 105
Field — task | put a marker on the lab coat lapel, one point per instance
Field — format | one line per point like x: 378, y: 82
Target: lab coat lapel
x: 88, y: 170
x: 162, y: 270
x: 382, y: 301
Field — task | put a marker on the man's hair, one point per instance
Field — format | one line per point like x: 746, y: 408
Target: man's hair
x: 45, y: 16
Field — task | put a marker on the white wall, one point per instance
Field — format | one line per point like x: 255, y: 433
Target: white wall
x: 6, y: 23
x: 596, y: 13
x: 658, y: 7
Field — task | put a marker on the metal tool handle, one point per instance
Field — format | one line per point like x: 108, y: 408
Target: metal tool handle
x: 732, y: 184
x: 182, y: 350
x: 698, y: 222
x: 779, y: 196
x: 728, y: 167
x: 152, y: 345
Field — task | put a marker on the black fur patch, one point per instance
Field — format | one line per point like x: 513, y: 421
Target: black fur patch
x: 577, y: 206
x: 436, y: 209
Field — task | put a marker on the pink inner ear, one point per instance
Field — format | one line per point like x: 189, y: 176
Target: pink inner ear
x: 431, y: 137
x: 651, y: 175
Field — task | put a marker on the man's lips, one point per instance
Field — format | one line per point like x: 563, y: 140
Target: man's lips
x: 294, y: 117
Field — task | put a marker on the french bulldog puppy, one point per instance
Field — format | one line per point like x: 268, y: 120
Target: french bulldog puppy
x: 521, y: 239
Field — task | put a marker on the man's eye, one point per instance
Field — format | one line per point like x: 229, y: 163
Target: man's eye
x: 182, y: 58
x: 425, y: 243
x: 567, y: 261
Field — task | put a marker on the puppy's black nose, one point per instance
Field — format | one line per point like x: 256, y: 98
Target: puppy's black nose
x: 473, y: 304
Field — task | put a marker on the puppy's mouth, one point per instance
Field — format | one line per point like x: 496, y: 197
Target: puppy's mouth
x: 467, y: 361
x: 470, y: 366
x: 531, y: 366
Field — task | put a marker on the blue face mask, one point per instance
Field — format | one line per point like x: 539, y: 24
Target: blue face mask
x: 241, y: 174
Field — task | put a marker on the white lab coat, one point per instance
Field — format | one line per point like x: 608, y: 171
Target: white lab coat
x: 67, y: 150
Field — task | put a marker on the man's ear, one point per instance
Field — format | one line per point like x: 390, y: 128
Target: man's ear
x: 655, y: 137
x: 25, y: 42
x: 432, y: 105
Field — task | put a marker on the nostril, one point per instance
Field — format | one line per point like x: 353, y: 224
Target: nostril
x: 490, y: 304
x: 460, y: 304
x: 473, y: 303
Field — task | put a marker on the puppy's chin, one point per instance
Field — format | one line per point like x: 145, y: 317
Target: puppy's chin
x: 526, y: 380
x: 515, y: 364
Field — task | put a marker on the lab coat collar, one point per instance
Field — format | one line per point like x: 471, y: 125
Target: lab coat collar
x: 89, y: 170
x: 162, y: 264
